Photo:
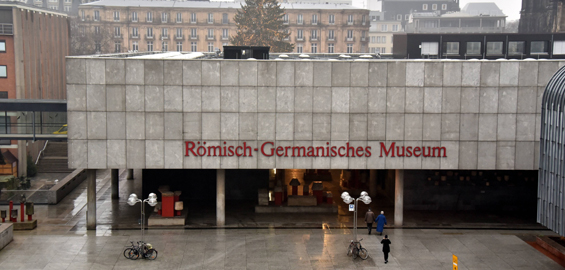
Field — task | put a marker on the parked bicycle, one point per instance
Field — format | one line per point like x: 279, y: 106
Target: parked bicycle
x: 145, y: 250
x: 356, y: 250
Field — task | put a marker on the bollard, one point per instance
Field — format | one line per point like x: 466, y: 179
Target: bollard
x: 10, y: 211
x: 22, y: 212
x: 29, y: 210
x: 14, y: 215
x: 3, y: 215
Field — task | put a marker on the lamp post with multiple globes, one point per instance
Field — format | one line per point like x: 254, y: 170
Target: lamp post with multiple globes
x: 151, y: 200
x: 348, y: 199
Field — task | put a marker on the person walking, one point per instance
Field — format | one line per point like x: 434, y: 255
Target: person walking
x: 381, y: 222
x: 369, y: 219
x: 386, y: 247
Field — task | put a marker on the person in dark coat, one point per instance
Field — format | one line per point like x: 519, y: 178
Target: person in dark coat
x: 381, y: 222
x: 386, y: 247
x: 369, y: 219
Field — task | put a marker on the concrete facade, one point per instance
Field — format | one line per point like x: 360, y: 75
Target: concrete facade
x: 127, y: 113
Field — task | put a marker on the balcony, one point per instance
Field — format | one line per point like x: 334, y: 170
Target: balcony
x: 210, y: 21
x: 363, y: 39
x: 210, y: 38
x: 315, y: 23
x: 6, y: 29
x: 181, y: 37
x: 299, y: 38
x: 350, y: 22
x: 300, y: 22
x: 134, y: 37
x: 164, y: 37
x: 331, y: 38
x: 285, y: 22
x: 134, y: 20
x: 194, y: 37
x: 225, y: 38
x: 149, y: 20
x: 349, y: 39
x: 193, y: 21
x: 313, y: 38
x: 332, y: 23
x: 151, y: 37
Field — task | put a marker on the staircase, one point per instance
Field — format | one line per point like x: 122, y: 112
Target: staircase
x: 54, y: 159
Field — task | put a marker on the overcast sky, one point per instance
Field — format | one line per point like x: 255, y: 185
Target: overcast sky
x: 510, y: 7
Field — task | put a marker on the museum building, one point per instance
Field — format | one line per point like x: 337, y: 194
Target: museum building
x: 417, y: 135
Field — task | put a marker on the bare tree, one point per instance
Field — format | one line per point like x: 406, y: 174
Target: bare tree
x: 87, y: 39
x: 512, y: 26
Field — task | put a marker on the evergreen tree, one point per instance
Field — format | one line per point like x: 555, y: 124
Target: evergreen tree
x: 259, y: 23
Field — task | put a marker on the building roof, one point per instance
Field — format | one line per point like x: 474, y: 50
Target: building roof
x: 30, y: 7
x: 489, y: 8
x: 205, y: 4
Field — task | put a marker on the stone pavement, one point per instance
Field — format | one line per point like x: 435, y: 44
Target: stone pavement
x: 275, y: 249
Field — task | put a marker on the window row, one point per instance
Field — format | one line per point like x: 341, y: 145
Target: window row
x: 434, y: 6
x: 384, y: 27
x: 165, y: 33
x: 314, y: 48
x: 164, y: 46
x: 378, y: 39
x: 493, y: 48
x: 164, y: 17
x: 315, y: 20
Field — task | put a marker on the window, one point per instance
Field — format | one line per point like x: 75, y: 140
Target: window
x: 179, y: 46
x: 2, y: 46
x: 516, y: 47
x: 179, y: 17
x: 407, y: 17
x: 117, y: 47
x: 193, y: 18
x: 299, y: 48
x: 150, y: 46
x: 164, y: 46
x: 349, y: 35
x: 443, y: 6
x: 330, y: 48
x: 210, y: 17
x: 538, y: 47
x: 331, y: 19
x: 373, y: 39
x: 164, y: 17
x: 210, y: 33
x: 314, y: 34
x: 179, y: 32
x: 134, y: 16
x: 82, y: 16
x: 3, y: 72
x: 285, y: 19
x: 134, y: 32
x: 286, y: 35
x: 164, y: 32
x: 116, y: 16
x: 225, y: 34
x: 349, y: 48
x: 559, y: 47
x: 350, y: 19
x: 383, y: 50
x: 428, y: 48
x: 395, y: 28
x: 399, y: 17
x: 425, y: 7
x: 150, y: 32
x: 299, y: 35
x: 149, y: 17
x: 97, y: 30
x: 451, y: 48
x: 225, y: 19
x: 5, y: 125
x: 96, y: 15
x: 117, y: 31
x: 299, y: 19
x: 314, y: 19
x: 314, y: 48
x: 193, y: 33
x: 210, y: 47
x: 434, y: 6
x: 193, y: 47
x: 384, y: 27
x: 473, y: 48
x: 97, y: 47
x: 363, y: 19
x: 494, y: 48
x: 135, y: 46
x: 331, y: 35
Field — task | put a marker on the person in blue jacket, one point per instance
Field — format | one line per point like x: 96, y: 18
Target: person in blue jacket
x: 381, y: 222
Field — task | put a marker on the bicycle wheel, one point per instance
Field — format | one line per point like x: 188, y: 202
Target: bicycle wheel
x: 349, y: 250
x: 363, y: 253
x: 134, y: 254
x: 355, y: 252
x: 151, y: 254
x: 126, y: 252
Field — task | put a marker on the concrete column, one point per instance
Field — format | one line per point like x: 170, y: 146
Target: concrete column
x: 91, y: 199
x: 373, y: 184
x: 130, y: 174
x: 220, y: 198
x: 115, y: 184
x: 22, y: 158
x: 399, y: 198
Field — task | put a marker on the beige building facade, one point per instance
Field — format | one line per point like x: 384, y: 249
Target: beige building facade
x: 380, y: 36
x: 207, y: 26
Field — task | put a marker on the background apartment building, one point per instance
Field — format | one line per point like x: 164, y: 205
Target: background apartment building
x: 207, y: 26
x: 381, y: 35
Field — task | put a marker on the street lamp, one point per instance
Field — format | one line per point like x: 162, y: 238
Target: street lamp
x: 151, y: 200
x: 348, y: 199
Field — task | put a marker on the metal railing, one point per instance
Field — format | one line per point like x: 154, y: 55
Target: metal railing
x: 41, y: 152
x: 6, y: 29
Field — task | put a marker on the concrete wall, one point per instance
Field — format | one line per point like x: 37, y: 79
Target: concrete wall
x: 6, y: 234
x: 138, y: 113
